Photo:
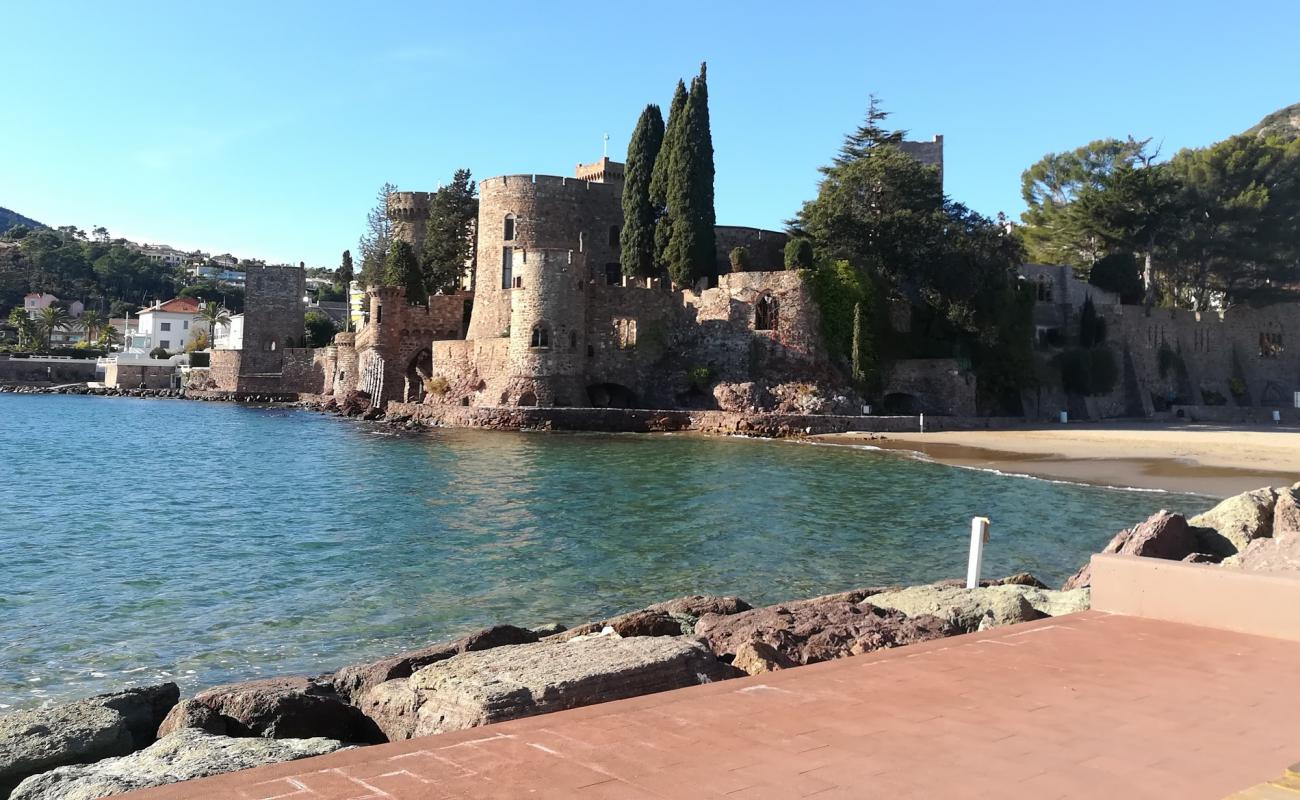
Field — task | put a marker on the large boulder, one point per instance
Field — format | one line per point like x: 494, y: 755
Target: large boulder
x: 808, y: 632
x: 647, y: 622
x: 274, y: 708
x: 392, y: 706
x: 85, y: 730
x: 1280, y: 553
x: 697, y: 605
x: 180, y: 756
x: 756, y: 658
x: 985, y: 607
x: 1286, y: 512
x: 1229, y: 527
x: 479, y: 688
x: 355, y: 680
x: 1163, y: 535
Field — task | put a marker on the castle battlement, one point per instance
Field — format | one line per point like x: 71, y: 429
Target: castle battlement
x: 518, y: 182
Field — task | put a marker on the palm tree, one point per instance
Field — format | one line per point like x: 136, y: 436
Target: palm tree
x: 23, y: 324
x: 214, y: 315
x: 110, y: 336
x: 91, y: 323
x: 51, y: 319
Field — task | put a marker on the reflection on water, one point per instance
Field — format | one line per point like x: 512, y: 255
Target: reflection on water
x: 211, y: 542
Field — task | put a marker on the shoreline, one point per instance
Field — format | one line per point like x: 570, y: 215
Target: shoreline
x: 1215, y: 461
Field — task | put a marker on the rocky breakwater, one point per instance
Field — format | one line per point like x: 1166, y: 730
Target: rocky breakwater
x: 93, y: 391
x: 147, y: 737
x: 1255, y: 530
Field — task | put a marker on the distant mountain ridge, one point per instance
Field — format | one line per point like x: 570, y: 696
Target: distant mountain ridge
x: 1285, y: 122
x: 8, y: 219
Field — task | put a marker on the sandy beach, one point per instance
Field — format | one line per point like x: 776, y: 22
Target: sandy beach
x: 1203, y: 459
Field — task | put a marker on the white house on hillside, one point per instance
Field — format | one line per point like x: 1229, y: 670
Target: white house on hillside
x: 34, y: 302
x: 169, y: 325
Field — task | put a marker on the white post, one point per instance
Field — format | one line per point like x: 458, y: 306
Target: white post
x: 1277, y: 417
x: 1065, y: 417
x: 922, y: 422
x: 979, y: 534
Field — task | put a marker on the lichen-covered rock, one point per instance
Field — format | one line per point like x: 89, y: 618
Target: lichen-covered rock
x: 808, y: 632
x: 392, y: 706
x: 274, y: 708
x: 746, y: 396
x: 85, y: 730
x: 36, y: 741
x: 965, y: 609
x: 1230, y: 526
x: 355, y: 680
x: 1163, y: 535
x: 180, y: 756
x: 479, y: 688
x: 756, y: 658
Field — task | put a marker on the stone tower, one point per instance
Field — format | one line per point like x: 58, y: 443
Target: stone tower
x: 548, y: 321
x: 409, y: 213
x: 528, y: 212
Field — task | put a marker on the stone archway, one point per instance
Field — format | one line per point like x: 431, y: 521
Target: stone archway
x: 611, y: 395
x: 418, y: 371
x: 901, y: 403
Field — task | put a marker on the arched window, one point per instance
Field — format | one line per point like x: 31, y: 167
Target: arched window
x: 613, y: 236
x: 765, y: 313
x: 508, y: 232
x: 541, y: 336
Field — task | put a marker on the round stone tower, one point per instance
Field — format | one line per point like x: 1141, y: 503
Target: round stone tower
x: 548, y: 313
x: 529, y: 212
x: 409, y: 213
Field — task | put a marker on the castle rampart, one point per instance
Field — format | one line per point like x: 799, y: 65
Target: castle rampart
x: 409, y: 214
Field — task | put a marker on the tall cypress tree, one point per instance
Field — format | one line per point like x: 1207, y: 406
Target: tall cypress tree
x: 699, y: 136
x: 402, y: 268
x: 690, y: 248
x: 638, y: 236
x: 448, y: 241
x: 669, y: 152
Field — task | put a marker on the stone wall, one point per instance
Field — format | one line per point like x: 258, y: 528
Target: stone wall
x: 393, y: 351
x: 929, y: 153
x: 38, y: 371
x: 929, y: 386
x: 139, y: 376
x: 766, y: 248
x: 409, y: 214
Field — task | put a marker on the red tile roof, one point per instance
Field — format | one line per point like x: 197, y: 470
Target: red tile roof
x: 177, y: 305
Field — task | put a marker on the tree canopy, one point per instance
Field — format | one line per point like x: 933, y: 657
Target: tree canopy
x: 637, y: 237
x: 449, y: 237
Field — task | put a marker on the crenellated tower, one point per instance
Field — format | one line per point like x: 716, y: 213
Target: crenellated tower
x: 409, y: 213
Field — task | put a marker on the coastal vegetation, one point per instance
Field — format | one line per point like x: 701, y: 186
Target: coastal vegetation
x: 1210, y: 227
x: 449, y: 236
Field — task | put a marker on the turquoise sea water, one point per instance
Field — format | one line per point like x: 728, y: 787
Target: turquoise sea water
x: 202, y: 542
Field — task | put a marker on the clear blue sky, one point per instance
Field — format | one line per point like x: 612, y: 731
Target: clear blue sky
x: 265, y: 128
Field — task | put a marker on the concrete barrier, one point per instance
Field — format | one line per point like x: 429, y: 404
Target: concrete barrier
x: 1209, y: 595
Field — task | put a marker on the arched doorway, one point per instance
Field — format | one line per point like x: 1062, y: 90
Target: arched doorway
x: 901, y: 403
x: 611, y: 395
x: 418, y: 371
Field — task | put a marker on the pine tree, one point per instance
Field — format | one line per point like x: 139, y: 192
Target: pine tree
x: 871, y: 133
x: 375, y: 241
x: 402, y: 268
x: 637, y: 239
x: 448, y: 241
x: 669, y: 151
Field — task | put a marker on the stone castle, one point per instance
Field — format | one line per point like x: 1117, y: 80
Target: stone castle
x: 546, y: 318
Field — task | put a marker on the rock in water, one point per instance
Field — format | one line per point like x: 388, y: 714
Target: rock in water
x: 180, y: 756
x: 1229, y: 527
x: 523, y: 680
x: 275, y: 708
x: 355, y: 680
x: 806, y: 632
x: 84, y: 730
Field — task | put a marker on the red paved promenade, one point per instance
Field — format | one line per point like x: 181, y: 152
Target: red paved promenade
x: 1085, y: 706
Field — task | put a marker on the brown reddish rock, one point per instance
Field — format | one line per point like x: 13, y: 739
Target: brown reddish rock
x: 1163, y: 535
x: 645, y: 623
x: 274, y: 708
x: 355, y: 680
x: 697, y: 605
x: 1277, y: 554
x: 392, y: 706
x: 805, y: 633
x: 1286, y: 512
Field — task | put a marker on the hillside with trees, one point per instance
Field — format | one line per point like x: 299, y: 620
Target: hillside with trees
x: 9, y: 219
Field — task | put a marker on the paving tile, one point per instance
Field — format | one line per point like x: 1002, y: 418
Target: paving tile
x: 1085, y: 707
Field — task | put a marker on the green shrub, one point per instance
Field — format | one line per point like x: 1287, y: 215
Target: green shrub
x: 739, y: 258
x: 1212, y: 398
x: 1237, y: 386
x: 839, y: 290
x: 1169, y: 359
x: 700, y: 377
x: 159, y: 352
x: 1118, y: 273
x: 799, y: 254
